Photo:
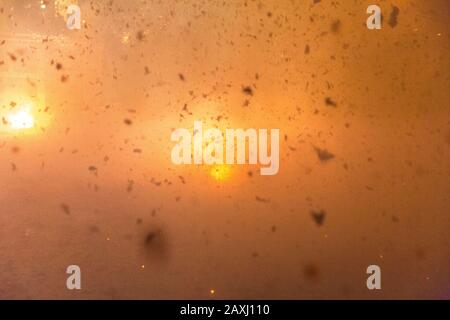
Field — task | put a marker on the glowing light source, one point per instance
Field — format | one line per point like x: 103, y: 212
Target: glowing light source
x: 125, y: 38
x: 20, y: 119
x: 220, y: 172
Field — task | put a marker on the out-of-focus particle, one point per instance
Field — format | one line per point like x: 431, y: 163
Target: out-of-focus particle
x: 12, y: 57
x: 318, y: 217
x: 336, y: 26
x: 140, y: 35
x: 130, y: 185
x: 259, y: 199
x: 330, y: 102
x: 94, y: 229
x: 323, y: 154
x: 247, y: 90
x: 307, y: 49
x: 393, y: 17
x: 65, y: 208
x: 311, y: 272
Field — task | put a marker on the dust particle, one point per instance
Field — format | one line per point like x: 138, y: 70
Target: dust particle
x: 394, y: 16
x: 65, y: 208
x: 247, y: 90
x: 330, y: 102
x: 323, y: 154
x: 318, y: 217
x: 311, y: 272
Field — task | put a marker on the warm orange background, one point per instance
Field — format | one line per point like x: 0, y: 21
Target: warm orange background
x: 83, y: 187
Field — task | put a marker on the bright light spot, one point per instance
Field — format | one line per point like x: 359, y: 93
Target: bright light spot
x: 21, y: 119
x: 125, y: 38
x: 212, y: 292
x: 220, y: 172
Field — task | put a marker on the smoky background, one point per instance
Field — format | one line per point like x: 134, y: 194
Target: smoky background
x: 364, y: 151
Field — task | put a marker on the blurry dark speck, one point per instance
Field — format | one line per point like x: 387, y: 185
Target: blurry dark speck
x: 318, y: 216
x: 181, y: 76
x: 12, y: 57
x: 393, y: 17
x: 65, y: 208
x: 128, y: 122
x: 151, y: 236
x: 92, y: 168
x: 259, y: 199
x: 336, y: 26
x: 155, y: 243
x: 323, y: 154
x: 140, y: 35
x: 247, y: 90
x: 130, y: 185
x: 330, y: 102
x: 307, y: 50
x: 94, y: 229
x: 420, y: 254
x: 311, y: 272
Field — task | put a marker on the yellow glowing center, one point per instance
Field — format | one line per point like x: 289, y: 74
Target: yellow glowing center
x: 20, y: 120
x: 220, y: 172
